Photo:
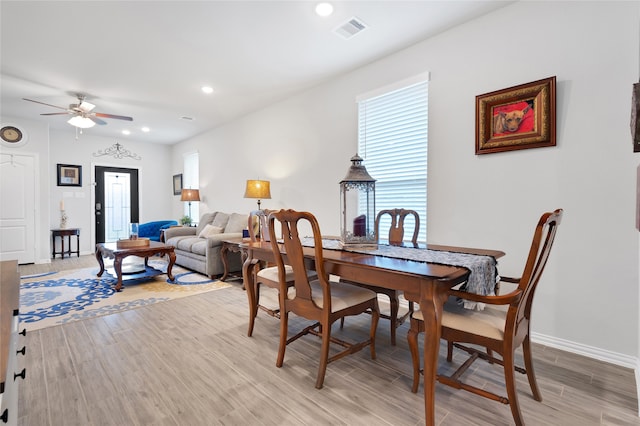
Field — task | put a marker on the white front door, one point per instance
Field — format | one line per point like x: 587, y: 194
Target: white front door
x: 17, y: 209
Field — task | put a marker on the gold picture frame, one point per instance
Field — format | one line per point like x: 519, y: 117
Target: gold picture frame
x: 518, y: 117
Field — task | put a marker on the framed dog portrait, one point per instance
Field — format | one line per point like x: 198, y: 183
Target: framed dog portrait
x: 518, y: 117
x: 69, y: 175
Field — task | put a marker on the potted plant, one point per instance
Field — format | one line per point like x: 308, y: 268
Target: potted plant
x: 185, y: 220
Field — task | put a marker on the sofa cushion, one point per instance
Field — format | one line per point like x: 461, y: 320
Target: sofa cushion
x: 237, y: 222
x: 186, y: 243
x: 221, y: 220
x: 200, y: 247
x: 210, y: 230
x: 205, y: 220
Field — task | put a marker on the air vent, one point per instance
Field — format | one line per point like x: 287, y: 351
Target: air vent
x: 350, y: 28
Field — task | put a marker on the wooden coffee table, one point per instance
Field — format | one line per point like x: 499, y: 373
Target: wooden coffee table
x: 111, y: 251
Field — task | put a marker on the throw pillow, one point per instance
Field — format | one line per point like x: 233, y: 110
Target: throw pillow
x: 237, y: 222
x: 210, y: 231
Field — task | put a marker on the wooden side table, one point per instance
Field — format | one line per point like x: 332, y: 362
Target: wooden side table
x: 65, y: 233
x: 231, y: 245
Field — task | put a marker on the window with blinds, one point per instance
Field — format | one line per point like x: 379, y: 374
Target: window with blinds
x: 191, y: 179
x: 392, y: 140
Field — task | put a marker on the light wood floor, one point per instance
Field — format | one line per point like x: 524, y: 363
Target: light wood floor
x: 189, y: 362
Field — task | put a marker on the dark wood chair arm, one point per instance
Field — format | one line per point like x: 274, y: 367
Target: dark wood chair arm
x: 505, y: 299
x: 510, y: 279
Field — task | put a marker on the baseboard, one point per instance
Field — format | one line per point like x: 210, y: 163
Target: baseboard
x: 589, y: 351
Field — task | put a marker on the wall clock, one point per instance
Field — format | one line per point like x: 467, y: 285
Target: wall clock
x: 12, y: 135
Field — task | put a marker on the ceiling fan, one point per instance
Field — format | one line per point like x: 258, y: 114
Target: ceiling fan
x: 83, y: 116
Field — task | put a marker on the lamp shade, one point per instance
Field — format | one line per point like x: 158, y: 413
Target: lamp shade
x: 260, y: 189
x: 81, y: 122
x: 190, y: 195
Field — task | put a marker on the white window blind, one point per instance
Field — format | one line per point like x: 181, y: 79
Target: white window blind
x: 191, y: 180
x: 392, y: 140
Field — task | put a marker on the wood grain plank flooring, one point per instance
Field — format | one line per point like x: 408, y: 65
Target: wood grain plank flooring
x: 189, y: 362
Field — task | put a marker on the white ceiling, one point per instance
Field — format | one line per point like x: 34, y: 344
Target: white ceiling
x: 149, y: 59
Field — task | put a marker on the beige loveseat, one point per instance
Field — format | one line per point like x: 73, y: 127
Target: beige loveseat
x: 198, y: 248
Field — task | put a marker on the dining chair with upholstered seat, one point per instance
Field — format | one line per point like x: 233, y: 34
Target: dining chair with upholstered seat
x: 395, y: 238
x: 502, y: 327
x: 318, y: 300
x: 265, y: 275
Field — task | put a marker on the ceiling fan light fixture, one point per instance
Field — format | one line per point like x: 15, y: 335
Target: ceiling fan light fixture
x: 81, y: 122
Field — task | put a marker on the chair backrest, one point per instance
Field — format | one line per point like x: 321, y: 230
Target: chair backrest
x: 302, y: 302
x: 543, y: 239
x: 257, y: 225
x: 396, y: 231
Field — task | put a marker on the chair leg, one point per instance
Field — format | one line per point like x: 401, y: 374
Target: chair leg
x: 284, y: 328
x: 375, y: 316
x: 510, y: 382
x: 528, y: 365
x: 412, y: 340
x: 324, y: 355
x: 449, y: 350
x: 393, y: 316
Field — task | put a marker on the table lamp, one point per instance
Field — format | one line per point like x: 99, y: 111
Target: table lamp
x: 259, y: 189
x: 190, y: 195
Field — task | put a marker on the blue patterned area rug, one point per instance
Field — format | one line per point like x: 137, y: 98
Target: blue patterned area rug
x: 57, y: 298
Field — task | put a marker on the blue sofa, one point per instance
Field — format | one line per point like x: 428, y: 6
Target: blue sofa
x: 151, y: 230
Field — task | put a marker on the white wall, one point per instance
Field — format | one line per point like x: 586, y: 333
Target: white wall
x: 588, y: 298
x: 155, y: 180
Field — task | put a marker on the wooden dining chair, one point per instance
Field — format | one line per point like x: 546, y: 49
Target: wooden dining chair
x: 318, y: 300
x: 501, y: 327
x: 395, y: 238
x: 264, y: 275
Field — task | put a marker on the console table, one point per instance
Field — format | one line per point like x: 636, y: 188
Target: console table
x: 67, y: 232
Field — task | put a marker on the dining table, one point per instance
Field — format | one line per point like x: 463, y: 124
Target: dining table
x: 425, y: 283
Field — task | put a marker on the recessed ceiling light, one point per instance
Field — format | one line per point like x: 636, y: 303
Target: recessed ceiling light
x: 146, y: 129
x: 324, y: 9
x: 126, y: 132
x: 207, y: 89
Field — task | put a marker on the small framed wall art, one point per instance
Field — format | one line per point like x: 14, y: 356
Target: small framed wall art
x: 518, y: 117
x: 69, y: 175
x: 177, y: 184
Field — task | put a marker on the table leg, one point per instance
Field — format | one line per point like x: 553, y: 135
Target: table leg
x: 432, y: 300
x: 172, y: 260
x: 248, y: 279
x: 100, y: 262
x: 62, y: 245
x: 117, y: 266
x: 225, y: 262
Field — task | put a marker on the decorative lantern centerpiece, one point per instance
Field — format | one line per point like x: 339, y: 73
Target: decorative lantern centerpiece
x: 357, y: 207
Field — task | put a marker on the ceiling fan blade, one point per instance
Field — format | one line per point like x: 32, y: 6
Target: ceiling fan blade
x: 97, y: 120
x: 38, y: 102
x: 119, y: 117
x: 57, y: 113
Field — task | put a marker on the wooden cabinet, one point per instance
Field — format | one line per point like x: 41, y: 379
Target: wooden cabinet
x: 10, y: 373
